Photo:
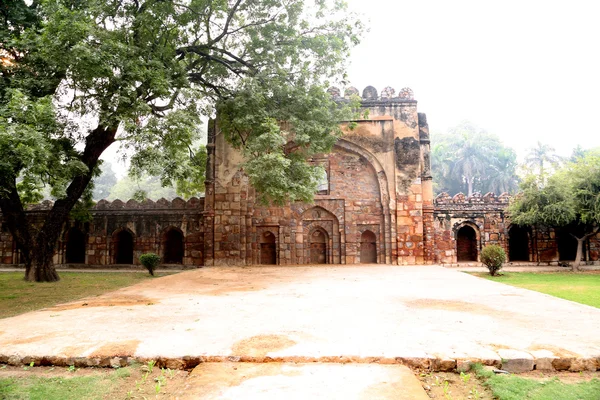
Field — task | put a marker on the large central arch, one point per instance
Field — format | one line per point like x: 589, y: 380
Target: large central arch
x: 388, y: 229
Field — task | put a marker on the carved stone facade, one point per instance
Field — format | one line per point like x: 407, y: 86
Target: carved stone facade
x: 376, y: 206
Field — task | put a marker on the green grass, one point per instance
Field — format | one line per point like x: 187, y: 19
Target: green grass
x: 36, y: 388
x: 18, y: 296
x: 580, y: 287
x: 60, y: 388
x: 510, y: 387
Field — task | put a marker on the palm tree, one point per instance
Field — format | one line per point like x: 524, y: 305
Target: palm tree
x: 540, y: 156
x: 474, y: 152
x: 503, y: 177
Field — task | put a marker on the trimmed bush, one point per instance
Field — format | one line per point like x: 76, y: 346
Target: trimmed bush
x: 493, y: 256
x: 150, y: 261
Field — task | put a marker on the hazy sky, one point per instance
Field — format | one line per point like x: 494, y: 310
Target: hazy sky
x: 525, y: 70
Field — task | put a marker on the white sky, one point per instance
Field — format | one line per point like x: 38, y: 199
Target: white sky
x: 524, y: 70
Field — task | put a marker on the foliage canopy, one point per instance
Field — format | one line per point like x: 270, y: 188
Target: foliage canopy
x: 80, y: 75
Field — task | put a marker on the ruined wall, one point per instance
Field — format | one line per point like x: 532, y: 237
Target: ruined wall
x: 485, y: 215
x: 152, y: 226
x: 375, y: 190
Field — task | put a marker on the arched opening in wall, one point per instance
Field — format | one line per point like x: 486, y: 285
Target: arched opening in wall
x: 368, y: 248
x: 466, y: 244
x: 318, y: 247
x: 123, y: 247
x: 268, y: 249
x: 567, y: 246
x: 173, y: 247
x: 75, y: 249
x: 518, y: 244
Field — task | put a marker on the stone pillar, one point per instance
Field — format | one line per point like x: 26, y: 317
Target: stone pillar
x: 209, y: 193
x: 427, y: 191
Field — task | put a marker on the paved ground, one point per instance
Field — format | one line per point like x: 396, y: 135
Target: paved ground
x: 424, y: 316
x: 276, y: 381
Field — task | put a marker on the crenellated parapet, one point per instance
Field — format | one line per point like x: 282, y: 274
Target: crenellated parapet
x: 370, y: 94
x: 177, y: 203
x: 476, y: 201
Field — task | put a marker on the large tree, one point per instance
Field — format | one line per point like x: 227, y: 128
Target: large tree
x: 569, y: 199
x: 80, y: 75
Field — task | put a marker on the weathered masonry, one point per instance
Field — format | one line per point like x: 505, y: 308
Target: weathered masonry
x: 375, y: 205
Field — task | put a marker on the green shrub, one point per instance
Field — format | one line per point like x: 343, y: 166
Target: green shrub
x: 150, y: 261
x: 493, y: 256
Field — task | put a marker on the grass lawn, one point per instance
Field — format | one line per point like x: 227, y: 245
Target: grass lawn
x: 581, y: 287
x: 18, y: 296
x: 53, y: 383
x: 512, y: 387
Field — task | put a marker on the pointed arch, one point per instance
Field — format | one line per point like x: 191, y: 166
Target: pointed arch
x: 318, y: 241
x: 326, y: 225
x: 467, y: 239
x: 75, y: 246
x: 368, y: 247
x: 268, y: 248
x: 173, y: 245
x: 122, y: 244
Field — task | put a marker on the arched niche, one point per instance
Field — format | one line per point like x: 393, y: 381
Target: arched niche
x: 122, y: 246
x: 368, y: 248
x: 173, y: 244
x: 518, y: 243
x: 467, y: 239
x: 75, y: 246
x: 318, y: 241
x: 319, y: 219
x: 268, y: 248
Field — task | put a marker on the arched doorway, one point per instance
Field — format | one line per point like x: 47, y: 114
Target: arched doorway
x: 567, y: 246
x: 268, y: 249
x: 75, y: 249
x: 318, y: 247
x: 123, y: 247
x: 466, y: 244
x: 173, y: 247
x: 518, y: 244
x: 368, y: 248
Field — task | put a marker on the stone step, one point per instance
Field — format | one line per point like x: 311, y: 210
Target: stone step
x: 289, y: 381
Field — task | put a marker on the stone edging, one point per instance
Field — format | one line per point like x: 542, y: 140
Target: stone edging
x: 509, y: 360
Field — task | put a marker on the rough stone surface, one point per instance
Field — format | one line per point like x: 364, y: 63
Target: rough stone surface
x: 516, y: 361
x: 428, y: 317
x: 543, y: 359
x: 302, y: 381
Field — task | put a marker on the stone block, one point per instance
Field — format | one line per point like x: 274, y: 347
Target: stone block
x: 516, y: 361
x: 561, y: 364
x: 543, y: 360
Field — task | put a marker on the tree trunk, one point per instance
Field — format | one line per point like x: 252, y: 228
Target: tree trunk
x: 469, y: 187
x: 579, y: 254
x: 40, y: 252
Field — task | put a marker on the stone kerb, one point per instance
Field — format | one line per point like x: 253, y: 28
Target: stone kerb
x: 514, y: 361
